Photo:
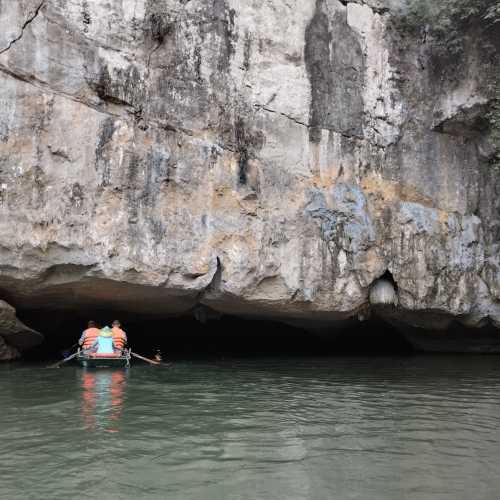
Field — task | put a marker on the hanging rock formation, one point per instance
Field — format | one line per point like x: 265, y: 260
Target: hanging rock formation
x: 268, y: 159
x: 14, y: 335
x: 383, y: 293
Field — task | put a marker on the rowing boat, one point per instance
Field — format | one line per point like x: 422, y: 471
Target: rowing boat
x: 93, y: 360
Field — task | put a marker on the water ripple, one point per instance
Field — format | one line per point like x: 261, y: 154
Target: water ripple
x: 344, y: 428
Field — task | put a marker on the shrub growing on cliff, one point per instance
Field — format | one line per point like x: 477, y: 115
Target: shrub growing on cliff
x: 449, y: 23
x: 448, y: 20
x: 493, y: 13
x: 494, y: 119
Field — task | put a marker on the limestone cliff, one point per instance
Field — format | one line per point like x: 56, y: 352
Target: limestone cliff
x: 269, y: 158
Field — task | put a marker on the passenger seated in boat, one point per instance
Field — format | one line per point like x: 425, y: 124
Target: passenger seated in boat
x: 104, y: 342
x: 119, y: 337
x: 89, y: 336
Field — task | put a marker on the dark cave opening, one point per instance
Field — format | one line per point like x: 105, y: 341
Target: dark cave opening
x: 228, y: 336
x: 387, y: 276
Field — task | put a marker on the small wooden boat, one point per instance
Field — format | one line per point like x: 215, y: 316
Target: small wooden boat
x: 93, y: 360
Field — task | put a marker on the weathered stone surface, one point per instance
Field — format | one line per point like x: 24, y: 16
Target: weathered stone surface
x: 14, y: 335
x: 7, y: 352
x: 265, y: 158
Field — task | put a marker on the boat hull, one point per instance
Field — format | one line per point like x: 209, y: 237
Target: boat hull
x: 104, y: 362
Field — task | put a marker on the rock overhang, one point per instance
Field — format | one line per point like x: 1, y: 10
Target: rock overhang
x: 274, y: 161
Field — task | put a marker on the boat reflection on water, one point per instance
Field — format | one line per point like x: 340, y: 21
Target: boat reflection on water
x: 102, y: 398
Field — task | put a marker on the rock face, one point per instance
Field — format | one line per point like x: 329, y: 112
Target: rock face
x: 271, y: 158
x: 14, y: 335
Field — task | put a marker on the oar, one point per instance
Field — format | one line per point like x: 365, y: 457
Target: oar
x: 69, y: 349
x: 145, y: 359
x: 56, y: 365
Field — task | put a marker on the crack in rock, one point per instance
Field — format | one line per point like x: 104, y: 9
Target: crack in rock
x: 43, y: 86
x: 23, y: 27
x: 269, y: 110
x: 308, y: 125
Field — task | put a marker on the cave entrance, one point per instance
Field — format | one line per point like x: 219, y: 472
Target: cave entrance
x: 226, y: 336
x: 387, y: 276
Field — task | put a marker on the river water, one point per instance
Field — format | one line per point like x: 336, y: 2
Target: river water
x: 272, y: 428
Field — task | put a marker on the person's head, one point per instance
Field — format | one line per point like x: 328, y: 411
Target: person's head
x: 116, y: 324
x: 91, y: 324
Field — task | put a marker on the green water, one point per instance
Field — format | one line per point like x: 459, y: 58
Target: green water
x: 290, y: 428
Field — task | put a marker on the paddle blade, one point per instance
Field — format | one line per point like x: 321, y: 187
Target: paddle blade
x: 150, y: 361
x: 59, y: 363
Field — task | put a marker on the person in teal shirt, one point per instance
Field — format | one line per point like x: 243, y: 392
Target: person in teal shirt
x: 105, y: 341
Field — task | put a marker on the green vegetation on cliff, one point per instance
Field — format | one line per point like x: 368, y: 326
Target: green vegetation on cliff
x: 447, y: 20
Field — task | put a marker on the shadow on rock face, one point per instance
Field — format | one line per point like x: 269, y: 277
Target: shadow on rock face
x: 334, y: 63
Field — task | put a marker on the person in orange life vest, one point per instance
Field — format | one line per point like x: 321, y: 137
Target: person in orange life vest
x: 119, y: 336
x: 89, y: 336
